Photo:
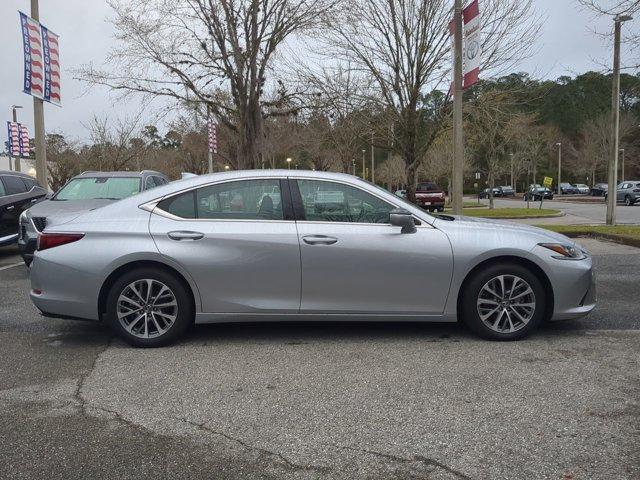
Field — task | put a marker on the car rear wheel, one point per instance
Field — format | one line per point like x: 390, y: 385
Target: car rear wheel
x: 503, y: 302
x: 627, y: 201
x: 149, y: 308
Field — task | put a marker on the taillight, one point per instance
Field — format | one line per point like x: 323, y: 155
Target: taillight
x: 50, y: 240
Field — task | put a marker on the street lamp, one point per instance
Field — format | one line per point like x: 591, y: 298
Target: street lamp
x: 559, y: 145
x: 615, y: 120
x: 226, y: 167
x: 289, y: 162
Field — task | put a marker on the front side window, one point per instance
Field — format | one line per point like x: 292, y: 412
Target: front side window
x: 110, y: 188
x: 337, y: 202
x: 240, y: 200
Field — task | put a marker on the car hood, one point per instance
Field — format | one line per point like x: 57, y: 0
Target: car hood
x: 62, y: 211
x: 502, y: 227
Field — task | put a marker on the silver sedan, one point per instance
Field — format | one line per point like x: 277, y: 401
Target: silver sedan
x: 300, y: 245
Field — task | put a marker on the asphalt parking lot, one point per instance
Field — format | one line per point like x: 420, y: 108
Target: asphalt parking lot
x: 338, y: 401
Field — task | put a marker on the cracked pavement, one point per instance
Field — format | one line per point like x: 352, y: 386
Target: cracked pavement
x: 335, y: 401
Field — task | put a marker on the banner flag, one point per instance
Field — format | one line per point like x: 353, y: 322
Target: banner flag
x: 213, y: 136
x: 33, y: 58
x: 41, y: 60
x: 472, y: 45
x: 50, y: 46
x: 18, y: 140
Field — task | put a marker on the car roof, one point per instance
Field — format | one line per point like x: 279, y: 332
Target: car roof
x: 17, y: 174
x: 98, y: 174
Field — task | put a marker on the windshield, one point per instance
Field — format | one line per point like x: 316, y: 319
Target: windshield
x: 111, y: 188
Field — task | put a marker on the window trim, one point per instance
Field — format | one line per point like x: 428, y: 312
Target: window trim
x: 4, y: 175
x: 152, y: 206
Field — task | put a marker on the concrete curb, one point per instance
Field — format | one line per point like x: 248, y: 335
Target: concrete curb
x: 632, y: 242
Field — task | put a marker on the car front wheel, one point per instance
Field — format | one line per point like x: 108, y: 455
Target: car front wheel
x: 503, y: 302
x: 149, y: 308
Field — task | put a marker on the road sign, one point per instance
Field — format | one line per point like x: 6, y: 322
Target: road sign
x: 548, y: 181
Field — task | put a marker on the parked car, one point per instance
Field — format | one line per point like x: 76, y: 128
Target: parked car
x: 430, y: 196
x: 568, y: 189
x: 582, y: 188
x: 497, y: 192
x: 401, y: 193
x: 508, y: 191
x: 18, y: 192
x: 82, y: 193
x: 599, y: 190
x: 537, y: 193
x: 152, y: 265
x: 627, y: 192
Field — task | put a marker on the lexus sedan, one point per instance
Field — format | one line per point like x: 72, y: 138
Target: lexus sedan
x: 300, y: 245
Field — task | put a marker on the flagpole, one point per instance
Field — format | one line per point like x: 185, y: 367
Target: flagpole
x: 458, y: 141
x: 38, y: 122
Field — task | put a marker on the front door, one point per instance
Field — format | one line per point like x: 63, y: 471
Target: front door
x: 237, y: 241
x: 354, y: 261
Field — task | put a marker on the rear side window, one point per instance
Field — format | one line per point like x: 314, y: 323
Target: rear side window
x: 29, y: 183
x: 240, y: 200
x: 14, y: 185
x: 426, y: 187
x: 2, y: 190
x: 183, y: 205
x: 150, y: 183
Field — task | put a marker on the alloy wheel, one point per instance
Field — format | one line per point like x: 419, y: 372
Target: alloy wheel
x: 506, y: 303
x: 147, y: 308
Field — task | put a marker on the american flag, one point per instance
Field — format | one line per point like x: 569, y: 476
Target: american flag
x: 212, y: 129
x: 25, y: 150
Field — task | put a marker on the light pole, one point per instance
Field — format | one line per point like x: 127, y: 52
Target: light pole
x: 373, y: 177
x: 622, y: 171
x: 457, y: 179
x: 615, y: 120
x: 38, y: 122
x: 364, y: 168
x: 289, y: 163
x: 353, y: 162
x: 16, y: 163
x: 559, y: 145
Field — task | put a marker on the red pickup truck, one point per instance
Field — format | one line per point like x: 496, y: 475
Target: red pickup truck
x: 430, y: 196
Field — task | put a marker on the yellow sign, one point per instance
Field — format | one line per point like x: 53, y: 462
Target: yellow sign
x: 548, y: 181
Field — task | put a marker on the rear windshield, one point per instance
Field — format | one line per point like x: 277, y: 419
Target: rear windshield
x: 427, y: 187
x: 111, y: 188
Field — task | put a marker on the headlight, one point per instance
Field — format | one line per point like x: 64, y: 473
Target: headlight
x: 564, y: 251
x: 23, y: 217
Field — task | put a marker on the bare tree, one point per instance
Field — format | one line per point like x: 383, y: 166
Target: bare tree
x: 113, y: 146
x: 219, y: 53
x: 404, y: 46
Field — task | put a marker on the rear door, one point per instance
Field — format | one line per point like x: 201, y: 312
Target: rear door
x: 239, y: 242
x: 354, y: 261
x: 14, y: 201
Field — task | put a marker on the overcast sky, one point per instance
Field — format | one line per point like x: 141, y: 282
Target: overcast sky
x: 566, y: 46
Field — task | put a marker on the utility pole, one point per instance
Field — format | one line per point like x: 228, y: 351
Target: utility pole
x: 615, y: 122
x: 38, y: 122
x: 364, y: 167
x: 622, y: 172
x: 458, y: 141
x: 353, y: 162
x: 559, y: 145
x: 373, y: 176
x: 511, y: 184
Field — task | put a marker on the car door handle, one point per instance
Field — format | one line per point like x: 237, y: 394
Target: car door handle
x: 10, y: 207
x: 319, y: 240
x: 182, y: 235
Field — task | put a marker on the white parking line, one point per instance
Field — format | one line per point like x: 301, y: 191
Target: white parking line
x: 11, y: 266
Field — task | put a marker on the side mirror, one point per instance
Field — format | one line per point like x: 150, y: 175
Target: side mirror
x: 400, y: 217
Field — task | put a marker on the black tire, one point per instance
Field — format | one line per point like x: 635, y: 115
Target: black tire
x: 472, y: 288
x: 627, y: 201
x: 183, y: 314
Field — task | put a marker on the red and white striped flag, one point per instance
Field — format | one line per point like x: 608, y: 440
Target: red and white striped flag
x: 213, y: 136
x: 25, y: 149
x: 18, y: 140
x: 51, y: 49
